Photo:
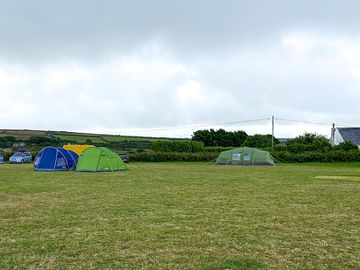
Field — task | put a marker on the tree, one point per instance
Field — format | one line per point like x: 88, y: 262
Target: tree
x: 259, y: 141
x: 219, y: 137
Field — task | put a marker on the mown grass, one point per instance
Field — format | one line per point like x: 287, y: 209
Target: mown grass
x: 181, y: 216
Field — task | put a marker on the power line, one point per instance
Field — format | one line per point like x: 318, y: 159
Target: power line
x: 300, y: 121
x: 309, y: 122
x: 243, y: 122
x: 200, y: 125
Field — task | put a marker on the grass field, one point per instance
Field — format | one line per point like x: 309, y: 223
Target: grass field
x: 181, y: 216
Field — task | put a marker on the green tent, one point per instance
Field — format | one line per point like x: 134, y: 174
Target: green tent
x: 245, y: 156
x: 99, y: 159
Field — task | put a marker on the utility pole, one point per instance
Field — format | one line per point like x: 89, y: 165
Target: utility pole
x: 272, y: 137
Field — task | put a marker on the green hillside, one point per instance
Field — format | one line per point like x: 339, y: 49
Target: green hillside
x: 22, y: 134
x: 36, y: 139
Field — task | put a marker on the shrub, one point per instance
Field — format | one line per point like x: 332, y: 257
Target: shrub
x: 346, y: 146
x: 6, y: 155
x: 6, y: 141
x: 309, y: 142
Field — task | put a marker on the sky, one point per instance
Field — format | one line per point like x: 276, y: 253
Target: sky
x: 168, y: 68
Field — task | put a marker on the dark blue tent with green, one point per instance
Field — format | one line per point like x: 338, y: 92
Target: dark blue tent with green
x: 55, y: 159
x: 1, y: 159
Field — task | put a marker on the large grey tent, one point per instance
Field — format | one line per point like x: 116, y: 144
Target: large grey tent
x: 245, y: 156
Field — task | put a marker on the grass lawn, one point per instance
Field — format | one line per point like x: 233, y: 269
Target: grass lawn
x: 181, y: 216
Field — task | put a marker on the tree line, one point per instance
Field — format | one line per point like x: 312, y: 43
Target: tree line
x: 225, y: 138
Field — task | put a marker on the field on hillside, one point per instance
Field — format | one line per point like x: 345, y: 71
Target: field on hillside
x: 181, y: 216
x: 99, y: 138
x: 23, y: 134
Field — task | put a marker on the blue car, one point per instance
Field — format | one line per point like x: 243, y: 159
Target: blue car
x: 20, y: 157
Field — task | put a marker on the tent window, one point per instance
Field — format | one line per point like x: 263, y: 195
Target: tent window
x: 246, y: 156
x: 60, y: 162
x: 236, y: 156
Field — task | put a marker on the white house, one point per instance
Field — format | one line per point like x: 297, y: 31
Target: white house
x: 339, y: 135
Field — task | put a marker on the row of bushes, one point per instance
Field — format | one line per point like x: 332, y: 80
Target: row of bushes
x: 152, y: 156
x: 330, y: 156
x: 217, y: 149
x: 6, y: 141
x: 178, y: 146
x: 124, y: 144
x: 9, y: 141
x: 282, y: 156
x: 186, y: 146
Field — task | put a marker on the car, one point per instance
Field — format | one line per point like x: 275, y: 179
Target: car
x: 20, y: 157
x: 124, y: 157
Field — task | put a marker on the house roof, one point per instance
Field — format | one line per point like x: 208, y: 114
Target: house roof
x: 350, y: 134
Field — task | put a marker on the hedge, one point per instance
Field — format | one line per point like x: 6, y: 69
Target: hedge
x: 283, y: 156
x: 178, y: 146
x: 330, y: 156
x: 152, y: 156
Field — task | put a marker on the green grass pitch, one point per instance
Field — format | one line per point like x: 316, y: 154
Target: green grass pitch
x: 181, y: 216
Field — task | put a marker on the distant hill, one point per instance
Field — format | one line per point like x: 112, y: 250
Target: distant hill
x: 49, y: 137
x: 78, y: 136
x: 103, y: 138
x: 23, y: 133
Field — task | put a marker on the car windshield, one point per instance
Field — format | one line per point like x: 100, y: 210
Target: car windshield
x: 18, y: 155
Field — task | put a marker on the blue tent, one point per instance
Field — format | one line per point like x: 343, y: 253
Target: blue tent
x: 1, y: 159
x: 55, y: 159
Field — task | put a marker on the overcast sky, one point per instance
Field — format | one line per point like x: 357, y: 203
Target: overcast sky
x: 157, y: 67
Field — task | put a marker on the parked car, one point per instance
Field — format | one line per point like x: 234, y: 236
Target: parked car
x: 21, y: 157
x: 124, y: 157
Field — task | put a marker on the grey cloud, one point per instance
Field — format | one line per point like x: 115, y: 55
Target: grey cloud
x: 41, y: 29
x: 76, y: 52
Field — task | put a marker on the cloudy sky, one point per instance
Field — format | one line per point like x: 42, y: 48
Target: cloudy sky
x: 167, y: 68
